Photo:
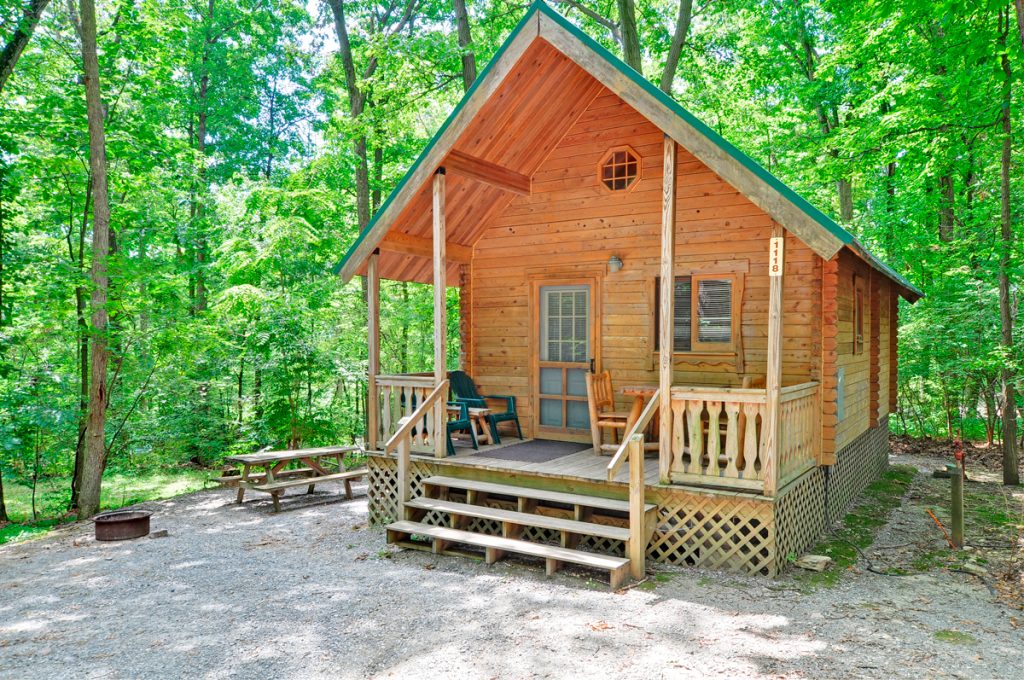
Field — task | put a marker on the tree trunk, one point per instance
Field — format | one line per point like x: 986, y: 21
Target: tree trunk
x: 683, y: 19
x: 1019, y: 6
x: 3, y: 320
x: 17, y: 42
x: 630, y: 37
x: 95, y: 449
x: 3, y: 505
x: 82, y: 321
x: 257, y: 393
x: 198, y: 210
x: 465, y: 44
x: 241, y: 378
x: 947, y: 199
x: 356, y: 104
x: 844, y: 187
x: 1011, y: 475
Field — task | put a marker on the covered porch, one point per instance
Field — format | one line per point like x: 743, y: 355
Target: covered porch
x: 717, y: 438
x: 727, y: 437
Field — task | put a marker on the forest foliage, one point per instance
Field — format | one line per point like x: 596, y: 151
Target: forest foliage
x: 248, y: 141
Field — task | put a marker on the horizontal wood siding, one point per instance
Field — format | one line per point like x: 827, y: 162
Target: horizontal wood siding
x: 571, y: 224
x: 856, y: 419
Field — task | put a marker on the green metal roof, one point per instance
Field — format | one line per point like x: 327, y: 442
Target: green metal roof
x: 539, y: 6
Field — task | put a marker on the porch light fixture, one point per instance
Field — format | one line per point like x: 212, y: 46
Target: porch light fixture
x: 614, y: 264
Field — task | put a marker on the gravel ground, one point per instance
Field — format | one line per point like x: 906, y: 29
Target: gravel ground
x: 312, y: 592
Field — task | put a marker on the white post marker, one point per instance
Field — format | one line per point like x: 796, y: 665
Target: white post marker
x: 775, y: 255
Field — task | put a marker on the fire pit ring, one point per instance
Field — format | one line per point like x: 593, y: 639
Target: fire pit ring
x: 122, y: 525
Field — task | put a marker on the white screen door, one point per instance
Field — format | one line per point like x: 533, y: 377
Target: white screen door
x: 565, y: 352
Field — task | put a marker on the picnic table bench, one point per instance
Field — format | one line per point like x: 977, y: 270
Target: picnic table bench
x: 325, y: 464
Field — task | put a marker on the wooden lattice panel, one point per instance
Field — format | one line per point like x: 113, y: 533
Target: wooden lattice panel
x: 857, y: 465
x: 382, y: 491
x: 715, y: 531
x: 799, y: 516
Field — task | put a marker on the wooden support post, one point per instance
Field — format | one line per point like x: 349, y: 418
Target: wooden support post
x: 773, y: 375
x: 440, y: 435
x: 404, y: 476
x: 637, y: 515
x: 373, y: 362
x: 666, y: 312
x: 466, y: 318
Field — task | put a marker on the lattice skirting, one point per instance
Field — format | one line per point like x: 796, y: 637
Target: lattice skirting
x: 858, y: 464
x: 735, y: 532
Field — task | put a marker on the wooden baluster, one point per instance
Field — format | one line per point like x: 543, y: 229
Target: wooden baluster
x: 678, y: 435
x: 762, y: 445
x: 696, y: 426
x: 428, y: 421
x: 750, y: 442
x: 385, y: 416
x: 732, y: 438
x: 781, y: 439
x: 714, y: 437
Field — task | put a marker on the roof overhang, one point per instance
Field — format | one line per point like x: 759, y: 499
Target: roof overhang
x: 822, y: 234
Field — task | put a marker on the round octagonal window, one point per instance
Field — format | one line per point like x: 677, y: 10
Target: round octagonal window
x: 620, y: 168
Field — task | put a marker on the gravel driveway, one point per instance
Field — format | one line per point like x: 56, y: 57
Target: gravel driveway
x: 312, y: 592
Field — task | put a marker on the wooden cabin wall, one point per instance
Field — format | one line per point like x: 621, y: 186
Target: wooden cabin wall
x: 570, y: 224
x: 868, y: 380
x: 884, y: 305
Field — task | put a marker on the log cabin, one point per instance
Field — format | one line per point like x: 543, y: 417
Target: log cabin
x: 600, y: 234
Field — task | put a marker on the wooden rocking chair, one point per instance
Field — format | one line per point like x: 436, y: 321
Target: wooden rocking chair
x: 601, y: 400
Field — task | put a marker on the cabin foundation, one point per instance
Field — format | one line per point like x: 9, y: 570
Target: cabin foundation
x: 733, y: 531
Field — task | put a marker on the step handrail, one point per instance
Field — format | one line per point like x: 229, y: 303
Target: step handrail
x: 406, y: 424
x: 638, y: 427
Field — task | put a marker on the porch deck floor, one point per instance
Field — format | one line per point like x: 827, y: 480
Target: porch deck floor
x: 582, y: 465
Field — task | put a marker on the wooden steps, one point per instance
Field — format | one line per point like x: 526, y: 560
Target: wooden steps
x: 495, y: 546
x: 580, y: 500
x: 537, y: 508
x: 569, y: 526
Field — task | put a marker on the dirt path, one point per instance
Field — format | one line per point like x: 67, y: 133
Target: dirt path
x: 312, y: 592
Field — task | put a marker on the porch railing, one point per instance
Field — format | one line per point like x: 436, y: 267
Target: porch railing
x: 399, y: 396
x: 799, y: 430
x: 718, y: 436
x: 401, y: 442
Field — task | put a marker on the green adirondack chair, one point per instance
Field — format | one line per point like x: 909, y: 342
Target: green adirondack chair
x: 461, y: 424
x: 465, y: 392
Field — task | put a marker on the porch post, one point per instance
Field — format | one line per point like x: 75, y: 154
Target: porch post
x: 440, y: 434
x: 666, y: 311
x: 773, y: 376
x: 373, y: 363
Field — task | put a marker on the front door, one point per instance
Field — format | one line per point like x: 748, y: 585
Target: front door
x: 565, y: 349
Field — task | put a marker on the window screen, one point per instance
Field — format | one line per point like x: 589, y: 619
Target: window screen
x: 714, y: 310
x: 564, y: 323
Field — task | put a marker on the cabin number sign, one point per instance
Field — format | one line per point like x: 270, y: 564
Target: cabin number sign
x: 775, y: 256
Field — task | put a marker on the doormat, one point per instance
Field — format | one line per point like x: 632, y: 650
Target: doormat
x: 535, y: 451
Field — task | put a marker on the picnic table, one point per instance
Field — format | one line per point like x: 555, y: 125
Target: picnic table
x: 325, y: 464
